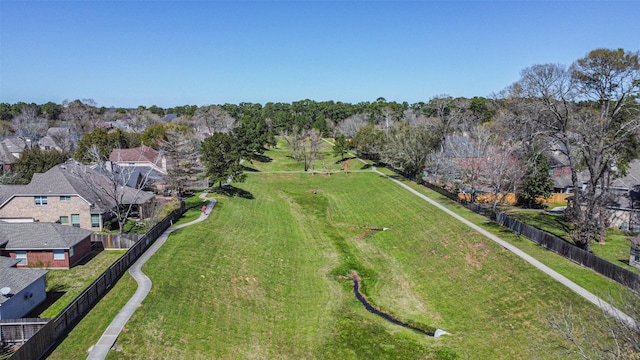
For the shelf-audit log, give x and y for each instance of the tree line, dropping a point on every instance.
(588, 112)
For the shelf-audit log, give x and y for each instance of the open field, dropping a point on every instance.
(280, 159)
(262, 278)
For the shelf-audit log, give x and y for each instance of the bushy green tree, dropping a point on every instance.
(536, 181)
(341, 147)
(221, 159)
(36, 161)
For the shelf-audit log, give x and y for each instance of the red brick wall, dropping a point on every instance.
(81, 250)
(43, 259)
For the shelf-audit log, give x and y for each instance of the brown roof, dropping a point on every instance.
(142, 153)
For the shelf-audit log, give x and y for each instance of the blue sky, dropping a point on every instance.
(169, 53)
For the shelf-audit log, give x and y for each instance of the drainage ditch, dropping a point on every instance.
(356, 289)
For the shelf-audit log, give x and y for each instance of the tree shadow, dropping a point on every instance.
(344, 160)
(232, 191)
(249, 169)
(261, 158)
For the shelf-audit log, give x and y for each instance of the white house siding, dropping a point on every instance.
(20, 305)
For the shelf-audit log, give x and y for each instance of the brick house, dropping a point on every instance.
(70, 194)
(22, 290)
(44, 245)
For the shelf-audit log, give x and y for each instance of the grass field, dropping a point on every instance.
(265, 277)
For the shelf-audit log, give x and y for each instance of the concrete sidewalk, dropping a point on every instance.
(108, 338)
(605, 306)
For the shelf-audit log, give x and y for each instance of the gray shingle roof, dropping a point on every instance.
(6, 156)
(73, 178)
(18, 279)
(40, 236)
(7, 262)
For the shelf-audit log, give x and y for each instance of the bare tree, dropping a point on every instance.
(502, 170)
(350, 126)
(82, 114)
(600, 337)
(315, 139)
(464, 159)
(182, 149)
(595, 133)
(214, 119)
(109, 183)
(295, 139)
(29, 125)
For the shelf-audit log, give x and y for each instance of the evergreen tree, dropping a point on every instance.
(536, 182)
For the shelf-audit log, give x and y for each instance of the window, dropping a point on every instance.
(58, 255)
(71, 252)
(95, 220)
(64, 220)
(65, 198)
(40, 200)
(22, 256)
(75, 220)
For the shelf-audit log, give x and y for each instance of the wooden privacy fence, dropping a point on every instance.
(44, 340)
(18, 331)
(572, 252)
(114, 241)
(511, 198)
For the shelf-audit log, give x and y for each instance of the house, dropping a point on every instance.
(60, 139)
(15, 145)
(44, 245)
(143, 156)
(21, 290)
(7, 159)
(147, 167)
(70, 194)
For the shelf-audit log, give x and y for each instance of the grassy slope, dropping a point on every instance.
(407, 270)
(260, 279)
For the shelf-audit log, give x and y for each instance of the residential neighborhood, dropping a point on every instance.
(342, 180)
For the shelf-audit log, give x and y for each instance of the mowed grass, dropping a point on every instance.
(280, 158)
(265, 278)
(89, 330)
(69, 283)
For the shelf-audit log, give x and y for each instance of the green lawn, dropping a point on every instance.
(90, 329)
(264, 278)
(616, 248)
(595, 283)
(68, 284)
(280, 158)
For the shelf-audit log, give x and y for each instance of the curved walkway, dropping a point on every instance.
(108, 338)
(605, 306)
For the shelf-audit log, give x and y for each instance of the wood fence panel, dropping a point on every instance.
(610, 270)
